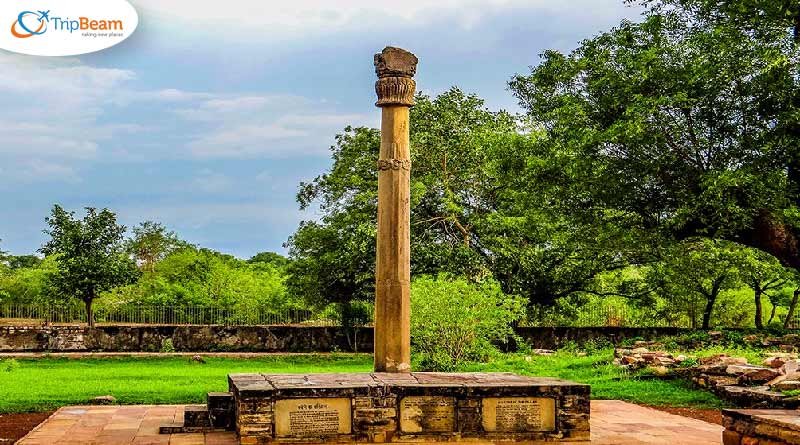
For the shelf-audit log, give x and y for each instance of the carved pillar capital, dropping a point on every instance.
(395, 68)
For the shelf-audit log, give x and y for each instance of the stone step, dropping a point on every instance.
(196, 416)
(171, 428)
(221, 410)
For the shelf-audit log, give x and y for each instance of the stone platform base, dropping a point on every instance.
(760, 426)
(409, 408)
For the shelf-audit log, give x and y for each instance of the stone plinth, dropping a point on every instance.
(760, 426)
(410, 407)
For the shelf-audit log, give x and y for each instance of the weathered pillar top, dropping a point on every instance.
(395, 68)
(395, 62)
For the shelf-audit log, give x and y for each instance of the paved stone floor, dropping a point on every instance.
(613, 423)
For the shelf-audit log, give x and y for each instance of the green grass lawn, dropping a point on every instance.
(47, 383)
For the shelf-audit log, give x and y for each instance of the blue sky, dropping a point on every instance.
(211, 114)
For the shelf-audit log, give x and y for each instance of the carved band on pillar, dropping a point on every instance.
(395, 91)
(394, 164)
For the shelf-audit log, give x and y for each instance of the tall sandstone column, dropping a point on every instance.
(395, 87)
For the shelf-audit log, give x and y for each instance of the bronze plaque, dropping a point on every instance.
(312, 417)
(519, 414)
(427, 414)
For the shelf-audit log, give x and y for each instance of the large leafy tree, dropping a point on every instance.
(152, 242)
(693, 274)
(764, 275)
(680, 126)
(91, 255)
(468, 215)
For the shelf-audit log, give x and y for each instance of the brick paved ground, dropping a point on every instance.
(613, 423)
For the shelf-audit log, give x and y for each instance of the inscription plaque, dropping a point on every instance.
(312, 417)
(427, 414)
(519, 414)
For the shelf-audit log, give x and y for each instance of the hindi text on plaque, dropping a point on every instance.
(312, 417)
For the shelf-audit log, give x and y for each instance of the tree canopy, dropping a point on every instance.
(91, 255)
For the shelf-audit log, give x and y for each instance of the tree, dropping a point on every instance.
(30, 284)
(22, 261)
(470, 212)
(91, 254)
(697, 271)
(762, 273)
(151, 242)
(792, 307)
(681, 126)
(273, 258)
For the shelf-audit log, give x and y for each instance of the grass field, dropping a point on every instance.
(47, 383)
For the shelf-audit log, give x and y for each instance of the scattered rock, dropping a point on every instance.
(786, 385)
(722, 359)
(751, 339)
(660, 371)
(543, 352)
(103, 400)
(758, 376)
(198, 359)
(731, 378)
(774, 362)
(791, 367)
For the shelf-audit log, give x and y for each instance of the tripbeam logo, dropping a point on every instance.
(20, 29)
(76, 27)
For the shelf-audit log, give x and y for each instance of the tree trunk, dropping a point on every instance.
(711, 299)
(759, 311)
(707, 312)
(792, 306)
(770, 235)
(772, 314)
(89, 312)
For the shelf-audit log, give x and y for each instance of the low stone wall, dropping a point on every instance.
(183, 338)
(557, 337)
(264, 338)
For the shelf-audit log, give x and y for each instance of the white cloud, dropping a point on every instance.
(301, 17)
(56, 109)
(204, 214)
(38, 170)
(51, 107)
(255, 136)
(211, 182)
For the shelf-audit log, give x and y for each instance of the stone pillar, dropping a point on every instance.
(395, 68)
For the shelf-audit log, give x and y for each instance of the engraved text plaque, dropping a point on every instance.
(312, 417)
(519, 414)
(427, 414)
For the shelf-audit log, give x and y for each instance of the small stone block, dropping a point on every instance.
(171, 428)
(731, 438)
(196, 416)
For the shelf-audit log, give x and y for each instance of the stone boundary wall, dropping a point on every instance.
(184, 338)
(557, 337)
(262, 338)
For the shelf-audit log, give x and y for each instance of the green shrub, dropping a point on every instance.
(454, 321)
(167, 346)
(10, 365)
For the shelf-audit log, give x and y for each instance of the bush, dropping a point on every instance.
(167, 346)
(454, 321)
(10, 365)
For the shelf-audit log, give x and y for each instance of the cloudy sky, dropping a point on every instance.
(210, 115)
